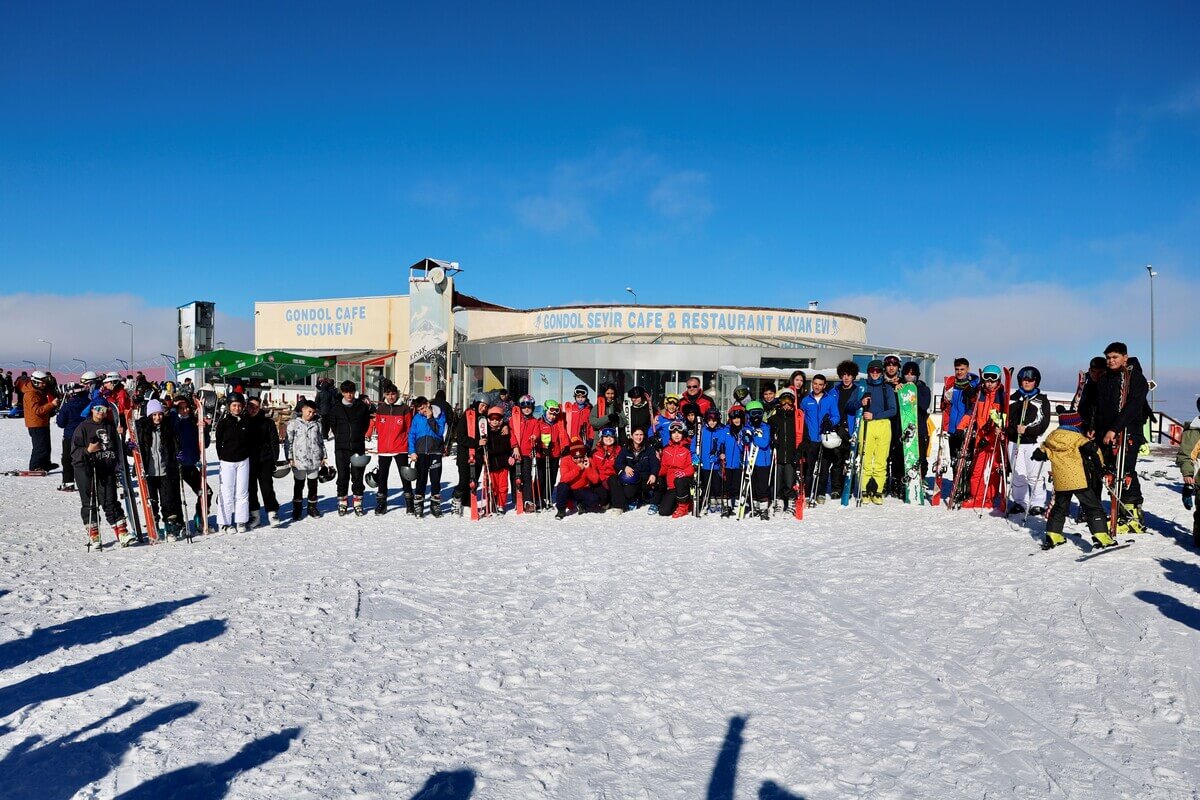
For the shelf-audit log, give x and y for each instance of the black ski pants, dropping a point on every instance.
(68, 468)
(1089, 504)
(837, 466)
(429, 473)
(1131, 494)
(39, 455)
(100, 483)
(346, 473)
(817, 468)
(785, 480)
(623, 495)
(163, 492)
(298, 485)
(384, 471)
(712, 485)
(191, 476)
(262, 479)
(672, 497)
(586, 499)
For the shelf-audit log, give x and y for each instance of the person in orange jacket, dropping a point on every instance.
(987, 469)
(675, 466)
(40, 404)
(577, 481)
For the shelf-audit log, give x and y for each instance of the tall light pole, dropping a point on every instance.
(173, 362)
(81, 361)
(1153, 275)
(632, 292)
(130, 324)
(50, 356)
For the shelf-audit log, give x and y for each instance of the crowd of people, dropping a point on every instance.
(810, 441)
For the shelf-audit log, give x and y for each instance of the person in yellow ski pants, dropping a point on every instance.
(879, 406)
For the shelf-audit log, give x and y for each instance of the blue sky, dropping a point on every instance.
(881, 160)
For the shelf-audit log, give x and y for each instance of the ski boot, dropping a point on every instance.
(876, 498)
(820, 499)
(297, 510)
(409, 503)
(456, 506)
(244, 527)
(1052, 540)
(359, 511)
(1131, 520)
(174, 529)
(1102, 539)
(313, 511)
(729, 510)
(652, 510)
(562, 513)
(1037, 511)
(682, 509)
(531, 507)
(435, 507)
(124, 537)
(1016, 508)
(380, 504)
(67, 487)
(93, 536)
(343, 507)
(419, 508)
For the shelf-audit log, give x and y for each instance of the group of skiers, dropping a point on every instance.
(807, 442)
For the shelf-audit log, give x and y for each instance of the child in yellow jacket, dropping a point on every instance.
(1075, 459)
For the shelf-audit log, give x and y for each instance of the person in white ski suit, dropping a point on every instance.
(1028, 420)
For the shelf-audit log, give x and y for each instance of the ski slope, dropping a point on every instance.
(892, 652)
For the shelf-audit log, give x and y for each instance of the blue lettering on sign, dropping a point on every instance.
(325, 322)
(636, 319)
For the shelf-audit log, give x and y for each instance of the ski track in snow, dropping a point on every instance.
(877, 653)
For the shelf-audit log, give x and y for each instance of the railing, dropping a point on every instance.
(1164, 426)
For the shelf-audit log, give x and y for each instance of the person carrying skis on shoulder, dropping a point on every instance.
(879, 407)
(676, 473)
(70, 414)
(821, 417)
(426, 444)
(911, 372)
(987, 465)
(1086, 406)
(1188, 461)
(160, 465)
(848, 396)
(578, 480)
(1028, 419)
(232, 436)
(390, 427)
(501, 453)
(94, 455)
(306, 457)
(961, 399)
(785, 441)
(264, 453)
(635, 473)
(604, 459)
(662, 423)
(694, 393)
(187, 433)
(348, 421)
(576, 415)
(466, 440)
(1072, 457)
(758, 434)
(1121, 410)
(526, 443)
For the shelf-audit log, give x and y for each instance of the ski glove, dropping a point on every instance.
(1189, 492)
(747, 437)
(1039, 455)
(997, 418)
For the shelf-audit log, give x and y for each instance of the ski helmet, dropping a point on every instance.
(741, 392)
(671, 398)
(37, 375)
(112, 377)
(737, 412)
(991, 371)
(87, 377)
(712, 413)
(754, 411)
(551, 405)
(496, 412)
(581, 389)
(408, 473)
(830, 440)
(282, 469)
(608, 432)
(891, 360)
(1030, 374)
(526, 401)
(372, 478)
(326, 473)
(360, 460)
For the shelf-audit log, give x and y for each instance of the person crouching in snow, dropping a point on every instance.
(577, 480)
(677, 471)
(94, 455)
(1075, 461)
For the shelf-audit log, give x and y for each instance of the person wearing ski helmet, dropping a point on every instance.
(426, 444)
(232, 437)
(604, 459)
(525, 432)
(1122, 408)
(499, 451)
(676, 473)
(786, 442)
(1028, 419)
(607, 411)
(741, 394)
(911, 373)
(1188, 461)
(821, 416)
(879, 407)
(848, 395)
(730, 454)
(466, 439)
(550, 443)
(94, 452)
(349, 421)
(758, 436)
(40, 405)
(987, 460)
(662, 423)
(70, 415)
(576, 415)
(306, 456)
(635, 473)
(389, 428)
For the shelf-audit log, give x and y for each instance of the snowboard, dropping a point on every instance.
(910, 443)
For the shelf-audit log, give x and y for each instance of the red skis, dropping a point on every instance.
(143, 495)
(472, 432)
(801, 494)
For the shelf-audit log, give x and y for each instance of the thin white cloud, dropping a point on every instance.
(548, 214)
(682, 196)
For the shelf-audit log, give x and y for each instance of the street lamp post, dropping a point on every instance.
(50, 356)
(173, 362)
(632, 292)
(1153, 275)
(81, 361)
(130, 324)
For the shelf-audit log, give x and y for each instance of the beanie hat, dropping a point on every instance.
(577, 446)
(154, 407)
(1070, 419)
(875, 364)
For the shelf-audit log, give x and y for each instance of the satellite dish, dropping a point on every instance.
(437, 275)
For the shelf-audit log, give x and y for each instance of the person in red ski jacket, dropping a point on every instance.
(577, 481)
(549, 443)
(500, 454)
(694, 393)
(987, 469)
(577, 414)
(604, 459)
(675, 466)
(390, 427)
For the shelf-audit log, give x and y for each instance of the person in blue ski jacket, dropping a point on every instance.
(821, 415)
(426, 443)
(70, 414)
(662, 422)
(712, 437)
(961, 398)
(758, 434)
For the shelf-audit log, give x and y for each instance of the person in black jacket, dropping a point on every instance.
(349, 421)
(1028, 419)
(326, 398)
(159, 448)
(635, 473)
(233, 450)
(784, 443)
(264, 453)
(1121, 410)
(1087, 395)
(466, 440)
(94, 454)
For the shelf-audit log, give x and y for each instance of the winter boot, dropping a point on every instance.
(764, 509)
(174, 528)
(358, 506)
(313, 511)
(380, 504)
(409, 503)
(1037, 511)
(124, 537)
(1133, 521)
(297, 510)
(343, 507)
(435, 506)
(1015, 508)
(682, 509)
(1052, 540)
(67, 487)
(562, 513)
(876, 498)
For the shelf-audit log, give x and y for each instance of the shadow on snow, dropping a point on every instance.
(456, 785)
(723, 780)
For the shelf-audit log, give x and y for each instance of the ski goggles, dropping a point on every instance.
(891, 361)
(527, 404)
(495, 416)
(677, 427)
(1026, 375)
(608, 432)
(991, 377)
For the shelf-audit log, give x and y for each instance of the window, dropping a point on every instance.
(517, 381)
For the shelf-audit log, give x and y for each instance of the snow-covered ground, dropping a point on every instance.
(890, 652)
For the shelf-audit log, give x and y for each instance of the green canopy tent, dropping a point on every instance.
(278, 366)
(217, 360)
